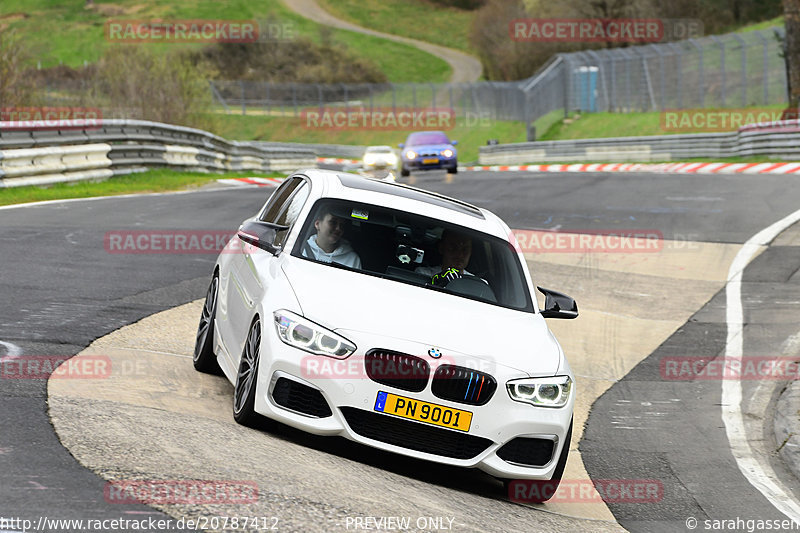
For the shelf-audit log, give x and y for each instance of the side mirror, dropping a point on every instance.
(558, 305)
(454, 143)
(401, 145)
(261, 234)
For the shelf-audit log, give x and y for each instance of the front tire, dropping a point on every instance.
(453, 169)
(204, 358)
(404, 171)
(244, 391)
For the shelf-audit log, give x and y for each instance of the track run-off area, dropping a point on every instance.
(722, 281)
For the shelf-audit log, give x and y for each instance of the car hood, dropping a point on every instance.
(344, 300)
(437, 147)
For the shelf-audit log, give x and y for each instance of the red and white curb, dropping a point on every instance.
(680, 168)
(676, 168)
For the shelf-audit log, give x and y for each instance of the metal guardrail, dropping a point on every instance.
(41, 153)
(777, 140)
(345, 151)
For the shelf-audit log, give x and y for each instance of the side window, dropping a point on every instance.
(289, 215)
(278, 200)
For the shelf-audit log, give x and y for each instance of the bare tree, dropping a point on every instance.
(791, 16)
(16, 89)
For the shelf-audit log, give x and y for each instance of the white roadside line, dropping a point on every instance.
(132, 195)
(12, 351)
(762, 477)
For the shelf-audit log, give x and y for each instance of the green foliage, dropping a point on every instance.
(460, 4)
(506, 59)
(160, 87)
(157, 180)
(16, 89)
(300, 60)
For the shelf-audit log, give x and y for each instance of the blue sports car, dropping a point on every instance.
(425, 150)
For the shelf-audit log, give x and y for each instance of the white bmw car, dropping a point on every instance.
(378, 157)
(395, 317)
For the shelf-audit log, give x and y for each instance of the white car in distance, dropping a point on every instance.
(324, 314)
(379, 157)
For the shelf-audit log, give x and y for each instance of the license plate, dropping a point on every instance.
(430, 161)
(420, 411)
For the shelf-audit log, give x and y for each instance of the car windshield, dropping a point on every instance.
(379, 150)
(427, 137)
(413, 249)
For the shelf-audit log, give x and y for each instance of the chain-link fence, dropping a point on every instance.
(737, 69)
(733, 70)
(493, 100)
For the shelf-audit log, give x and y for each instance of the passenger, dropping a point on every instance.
(328, 245)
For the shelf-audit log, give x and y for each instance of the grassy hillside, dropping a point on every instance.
(417, 19)
(598, 125)
(70, 33)
(765, 25)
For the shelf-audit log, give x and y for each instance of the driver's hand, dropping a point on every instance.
(445, 276)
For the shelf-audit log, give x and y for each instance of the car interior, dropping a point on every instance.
(393, 244)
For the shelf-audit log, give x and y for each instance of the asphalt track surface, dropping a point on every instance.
(61, 289)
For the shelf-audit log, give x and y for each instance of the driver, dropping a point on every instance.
(328, 245)
(456, 250)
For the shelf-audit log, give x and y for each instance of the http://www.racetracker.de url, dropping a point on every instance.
(144, 525)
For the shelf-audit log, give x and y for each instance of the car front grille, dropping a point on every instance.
(300, 398)
(527, 451)
(399, 370)
(463, 385)
(414, 435)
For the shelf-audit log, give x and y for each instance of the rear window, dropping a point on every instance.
(427, 137)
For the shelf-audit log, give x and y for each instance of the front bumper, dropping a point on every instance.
(379, 164)
(351, 395)
(427, 163)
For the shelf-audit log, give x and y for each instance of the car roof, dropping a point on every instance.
(379, 147)
(399, 196)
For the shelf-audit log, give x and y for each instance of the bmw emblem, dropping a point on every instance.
(435, 353)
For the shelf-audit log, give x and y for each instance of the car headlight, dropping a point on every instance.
(542, 392)
(301, 333)
(369, 159)
(391, 159)
(411, 154)
(447, 152)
